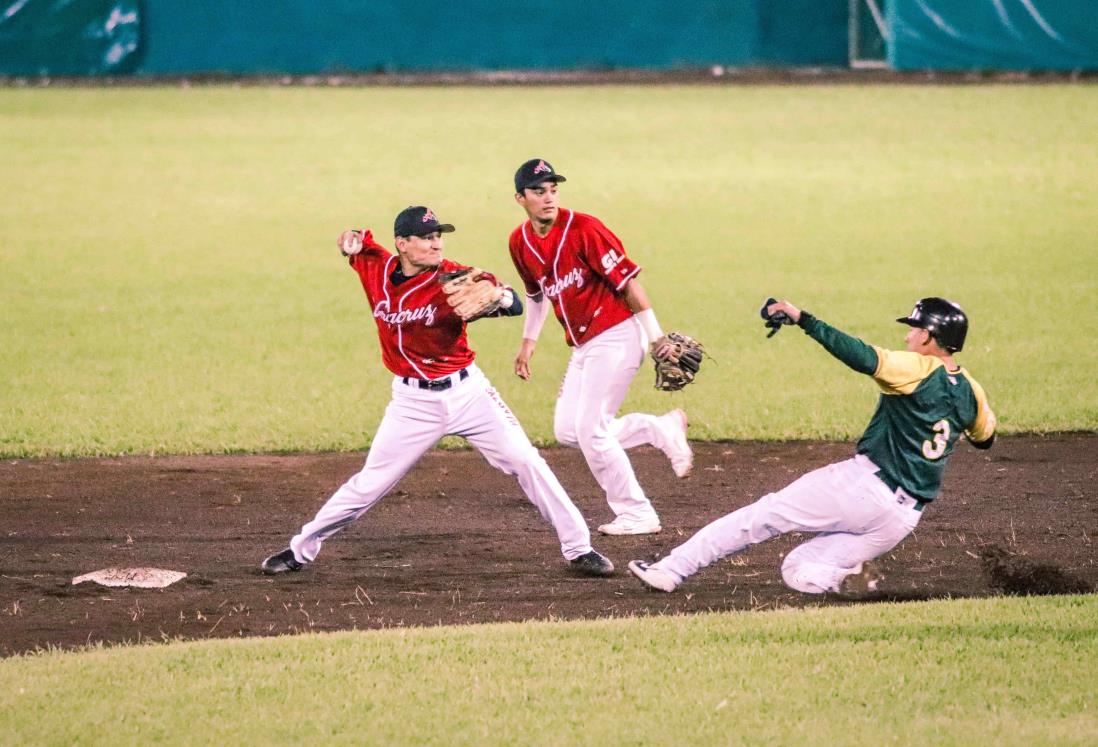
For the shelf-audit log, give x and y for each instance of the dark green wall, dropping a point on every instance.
(182, 37)
(248, 36)
(242, 37)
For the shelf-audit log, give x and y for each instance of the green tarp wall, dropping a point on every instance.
(242, 37)
(245, 36)
(993, 34)
(184, 37)
(69, 37)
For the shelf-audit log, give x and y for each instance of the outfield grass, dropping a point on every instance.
(170, 282)
(998, 671)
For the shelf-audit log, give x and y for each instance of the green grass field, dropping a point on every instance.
(170, 282)
(170, 285)
(999, 671)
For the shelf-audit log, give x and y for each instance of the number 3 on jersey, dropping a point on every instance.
(935, 448)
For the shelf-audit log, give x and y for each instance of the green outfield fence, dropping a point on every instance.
(300, 37)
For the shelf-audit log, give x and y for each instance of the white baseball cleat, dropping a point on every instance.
(678, 449)
(624, 525)
(653, 577)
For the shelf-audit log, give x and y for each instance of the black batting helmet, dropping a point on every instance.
(944, 320)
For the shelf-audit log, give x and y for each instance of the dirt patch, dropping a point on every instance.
(1020, 576)
(457, 543)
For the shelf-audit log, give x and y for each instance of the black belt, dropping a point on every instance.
(437, 385)
(900, 493)
(897, 489)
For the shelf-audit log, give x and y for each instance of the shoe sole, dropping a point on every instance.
(278, 571)
(615, 533)
(637, 573)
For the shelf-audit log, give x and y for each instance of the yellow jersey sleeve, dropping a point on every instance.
(901, 371)
(983, 427)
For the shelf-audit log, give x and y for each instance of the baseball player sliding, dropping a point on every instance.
(576, 265)
(437, 388)
(863, 507)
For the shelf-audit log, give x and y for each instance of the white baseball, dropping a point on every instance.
(350, 242)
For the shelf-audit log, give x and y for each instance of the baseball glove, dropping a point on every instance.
(469, 293)
(678, 359)
(775, 321)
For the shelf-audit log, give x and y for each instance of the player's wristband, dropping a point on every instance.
(985, 444)
(806, 320)
(651, 327)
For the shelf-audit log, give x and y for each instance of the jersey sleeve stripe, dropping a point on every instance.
(385, 281)
(627, 278)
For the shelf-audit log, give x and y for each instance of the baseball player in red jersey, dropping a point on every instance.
(575, 264)
(437, 390)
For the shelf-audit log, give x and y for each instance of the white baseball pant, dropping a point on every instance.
(595, 384)
(414, 421)
(855, 515)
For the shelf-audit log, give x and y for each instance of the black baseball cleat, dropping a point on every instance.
(282, 562)
(592, 564)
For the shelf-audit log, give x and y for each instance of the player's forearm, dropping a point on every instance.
(535, 316)
(850, 350)
(638, 303)
(635, 297)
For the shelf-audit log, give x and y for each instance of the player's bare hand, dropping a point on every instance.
(350, 242)
(787, 308)
(522, 360)
(662, 349)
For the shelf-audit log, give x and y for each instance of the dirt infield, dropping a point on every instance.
(457, 543)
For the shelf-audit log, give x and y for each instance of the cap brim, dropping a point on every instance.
(440, 228)
(908, 321)
(535, 182)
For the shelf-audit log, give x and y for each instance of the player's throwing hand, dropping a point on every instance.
(350, 242)
(786, 308)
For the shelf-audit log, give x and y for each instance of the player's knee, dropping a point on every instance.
(565, 433)
(798, 575)
(592, 435)
(518, 457)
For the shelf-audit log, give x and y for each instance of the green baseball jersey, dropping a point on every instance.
(923, 409)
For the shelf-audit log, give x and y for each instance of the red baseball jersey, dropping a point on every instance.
(581, 267)
(420, 334)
